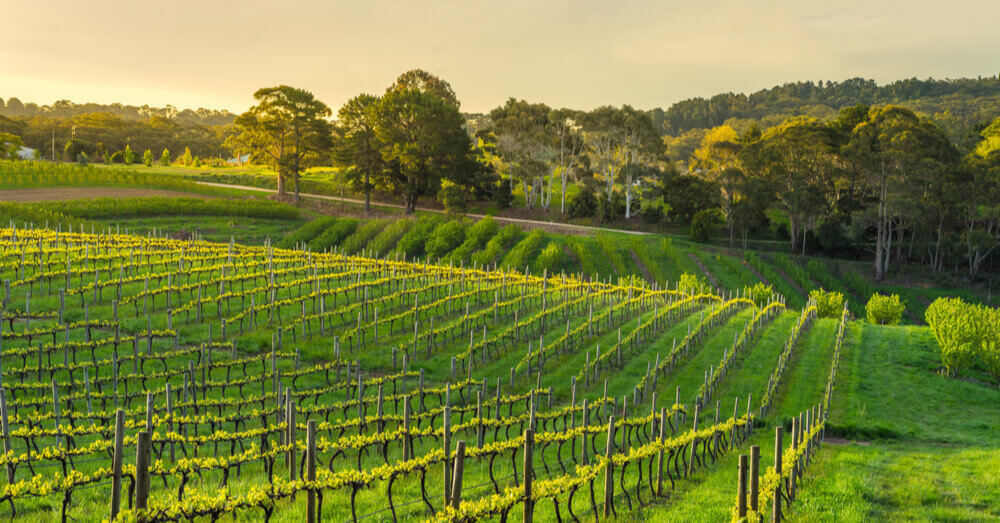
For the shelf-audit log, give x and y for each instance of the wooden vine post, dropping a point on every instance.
(529, 449)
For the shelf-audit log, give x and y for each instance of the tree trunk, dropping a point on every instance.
(281, 183)
(368, 195)
(562, 205)
(295, 178)
(793, 233)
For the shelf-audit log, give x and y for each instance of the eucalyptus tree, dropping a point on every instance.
(287, 129)
(889, 150)
(356, 147)
(717, 160)
(617, 138)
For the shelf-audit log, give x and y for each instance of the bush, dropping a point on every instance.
(82, 159)
(956, 327)
(147, 158)
(387, 239)
(453, 197)
(129, 156)
(760, 294)
(412, 243)
(692, 284)
(334, 234)
(503, 195)
(356, 242)
(884, 310)
(118, 157)
(550, 259)
(307, 232)
(520, 256)
(502, 240)
(445, 238)
(611, 209)
(652, 213)
(165, 157)
(705, 224)
(583, 204)
(829, 304)
(476, 237)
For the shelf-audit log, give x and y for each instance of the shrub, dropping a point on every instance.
(147, 158)
(81, 159)
(503, 195)
(453, 197)
(705, 224)
(445, 238)
(760, 294)
(583, 204)
(956, 327)
(613, 208)
(412, 243)
(652, 213)
(128, 155)
(334, 234)
(691, 284)
(884, 310)
(118, 157)
(476, 237)
(357, 241)
(551, 258)
(829, 304)
(165, 157)
(519, 257)
(390, 235)
(502, 240)
(307, 232)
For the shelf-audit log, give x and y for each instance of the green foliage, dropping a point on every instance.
(705, 224)
(551, 258)
(507, 237)
(165, 158)
(860, 284)
(520, 256)
(692, 284)
(95, 208)
(128, 155)
(476, 236)
(583, 204)
(359, 239)
(390, 235)
(446, 238)
(147, 158)
(760, 294)
(47, 174)
(958, 328)
(82, 159)
(307, 232)
(829, 304)
(23, 214)
(118, 157)
(334, 234)
(884, 310)
(10, 144)
(454, 197)
(412, 243)
(652, 213)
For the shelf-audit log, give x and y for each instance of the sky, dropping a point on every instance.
(579, 54)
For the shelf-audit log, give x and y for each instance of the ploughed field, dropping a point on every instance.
(161, 379)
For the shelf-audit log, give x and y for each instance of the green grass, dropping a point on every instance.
(253, 231)
(901, 482)
(890, 387)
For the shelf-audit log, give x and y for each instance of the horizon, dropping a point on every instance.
(564, 55)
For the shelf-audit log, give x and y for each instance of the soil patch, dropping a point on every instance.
(48, 194)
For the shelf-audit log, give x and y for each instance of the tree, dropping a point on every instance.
(420, 80)
(10, 145)
(165, 157)
(356, 146)
(888, 149)
(717, 159)
(287, 130)
(617, 138)
(794, 164)
(565, 129)
(422, 142)
(147, 158)
(129, 156)
(524, 147)
(186, 159)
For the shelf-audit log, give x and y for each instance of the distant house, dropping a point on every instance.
(239, 161)
(26, 153)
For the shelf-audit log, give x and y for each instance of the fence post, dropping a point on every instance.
(776, 506)
(311, 470)
(661, 457)
(447, 453)
(406, 429)
(529, 449)
(694, 440)
(456, 485)
(754, 477)
(741, 499)
(290, 440)
(116, 462)
(609, 471)
(142, 470)
(586, 421)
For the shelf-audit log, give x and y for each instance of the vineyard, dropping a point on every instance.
(161, 380)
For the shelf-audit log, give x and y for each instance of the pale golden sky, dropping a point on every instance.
(581, 54)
